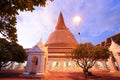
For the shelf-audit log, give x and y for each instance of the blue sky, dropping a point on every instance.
(100, 19)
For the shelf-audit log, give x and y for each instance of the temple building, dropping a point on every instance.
(37, 60)
(114, 59)
(60, 42)
(52, 56)
(112, 43)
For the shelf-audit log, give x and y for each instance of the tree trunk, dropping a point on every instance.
(0, 68)
(87, 73)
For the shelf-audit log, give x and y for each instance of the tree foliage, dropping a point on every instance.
(18, 53)
(8, 11)
(9, 52)
(5, 55)
(87, 54)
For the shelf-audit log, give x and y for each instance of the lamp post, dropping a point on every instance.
(77, 20)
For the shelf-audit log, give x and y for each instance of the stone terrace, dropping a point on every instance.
(17, 75)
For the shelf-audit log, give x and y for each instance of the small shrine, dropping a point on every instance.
(37, 60)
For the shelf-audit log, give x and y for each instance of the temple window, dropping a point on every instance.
(56, 64)
(67, 64)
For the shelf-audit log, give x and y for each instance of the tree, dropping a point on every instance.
(8, 11)
(87, 54)
(5, 55)
(9, 52)
(18, 53)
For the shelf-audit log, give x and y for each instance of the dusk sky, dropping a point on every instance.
(100, 19)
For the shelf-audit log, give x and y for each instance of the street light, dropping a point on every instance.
(77, 20)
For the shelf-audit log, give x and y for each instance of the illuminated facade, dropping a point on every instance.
(37, 60)
(60, 42)
(112, 43)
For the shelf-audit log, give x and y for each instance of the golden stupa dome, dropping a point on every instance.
(61, 36)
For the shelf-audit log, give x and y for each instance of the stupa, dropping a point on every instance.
(61, 36)
(60, 42)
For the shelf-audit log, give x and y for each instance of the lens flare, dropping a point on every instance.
(77, 19)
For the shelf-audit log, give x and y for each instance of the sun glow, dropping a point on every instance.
(77, 19)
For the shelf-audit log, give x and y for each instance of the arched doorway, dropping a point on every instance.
(34, 64)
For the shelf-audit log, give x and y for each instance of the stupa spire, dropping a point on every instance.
(60, 23)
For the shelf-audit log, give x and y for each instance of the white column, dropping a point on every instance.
(28, 65)
(112, 66)
(50, 65)
(12, 65)
(95, 67)
(73, 68)
(104, 65)
(40, 66)
(76, 67)
(45, 65)
(117, 57)
(61, 65)
(20, 66)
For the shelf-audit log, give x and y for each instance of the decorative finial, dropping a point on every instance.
(60, 23)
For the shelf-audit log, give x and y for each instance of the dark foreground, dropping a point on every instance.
(17, 75)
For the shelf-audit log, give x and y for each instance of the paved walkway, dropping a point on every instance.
(17, 75)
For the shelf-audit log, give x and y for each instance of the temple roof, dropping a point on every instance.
(114, 47)
(39, 47)
(61, 36)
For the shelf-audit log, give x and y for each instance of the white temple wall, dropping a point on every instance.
(117, 57)
(62, 66)
(112, 66)
(72, 65)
